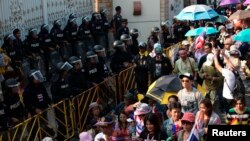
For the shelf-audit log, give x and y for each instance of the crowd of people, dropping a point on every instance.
(75, 58)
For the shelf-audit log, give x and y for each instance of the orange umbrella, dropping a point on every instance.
(240, 15)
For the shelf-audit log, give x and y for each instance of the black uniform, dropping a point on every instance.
(60, 89)
(56, 35)
(85, 34)
(3, 117)
(122, 30)
(142, 70)
(117, 60)
(36, 97)
(78, 81)
(116, 21)
(94, 73)
(15, 107)
(161, 66)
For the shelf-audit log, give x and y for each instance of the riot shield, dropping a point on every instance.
(65, 51)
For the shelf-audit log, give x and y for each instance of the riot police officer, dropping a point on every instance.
(35, 96)
(94, 73)
(106, 27)
(70, 31)
(98, 29)
(15, 107)
(48, 47)
(165, 37)
(153, 38)
(57, 33)
(101, 53)
(60, 88)
(134, 33)
(33, 48)
(142, 70)
(120, 59)
(126, 39)
(77, 77)
(18, 44)
(10, 49)
(85, 33)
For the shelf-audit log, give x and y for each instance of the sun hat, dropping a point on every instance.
(105, 121)
(234, 50)
(85, 136)
(188, 75)
(185, 42)
(221, 27)
(92, 105)
(188, 116)
(210, 59)
(47, 139)
(142, 109)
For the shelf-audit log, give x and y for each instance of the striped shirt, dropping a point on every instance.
(234, 118)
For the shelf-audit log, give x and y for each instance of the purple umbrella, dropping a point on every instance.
(228, 2)
(247, 2)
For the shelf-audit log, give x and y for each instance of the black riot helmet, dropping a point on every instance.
(8, 39)
(92, 57)
(100, 50)
(72, 21)
(11, 83)
(134, 33)
(155, 30)
(37, 75)
(85, 19)
(57, 24)
(125, 37)
(45, 28)
(64, 66)
(74, 59)
(118, 44)
(142, 45)
(72, 16)
(96, 16)
(33, 32)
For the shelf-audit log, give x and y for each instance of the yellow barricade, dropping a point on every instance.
(126, 80)
(69, 117)
(104, 93)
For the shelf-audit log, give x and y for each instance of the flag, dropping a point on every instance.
(194, 135)
(199, 41)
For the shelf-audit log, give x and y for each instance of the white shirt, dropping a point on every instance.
(100, 136)
(229, 83)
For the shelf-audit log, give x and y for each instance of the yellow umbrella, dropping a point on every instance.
(166, 96)
(201, 89)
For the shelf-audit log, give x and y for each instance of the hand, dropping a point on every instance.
(15, 120)
(215, 52)
(125, 64)
(136, 104)
(38, 111)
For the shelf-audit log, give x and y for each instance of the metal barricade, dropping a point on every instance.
(105, 93)
(126, 80)
(69, 117)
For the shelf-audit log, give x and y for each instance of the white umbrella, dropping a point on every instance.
(197, 12)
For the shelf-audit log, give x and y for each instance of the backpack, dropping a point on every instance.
(239, 88)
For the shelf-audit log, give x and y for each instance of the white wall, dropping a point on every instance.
(26, 14)
(149, 18)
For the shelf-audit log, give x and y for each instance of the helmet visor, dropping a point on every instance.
(37, 75)
(93, 58)
(66, 66)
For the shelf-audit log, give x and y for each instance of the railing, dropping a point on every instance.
(69, 117)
